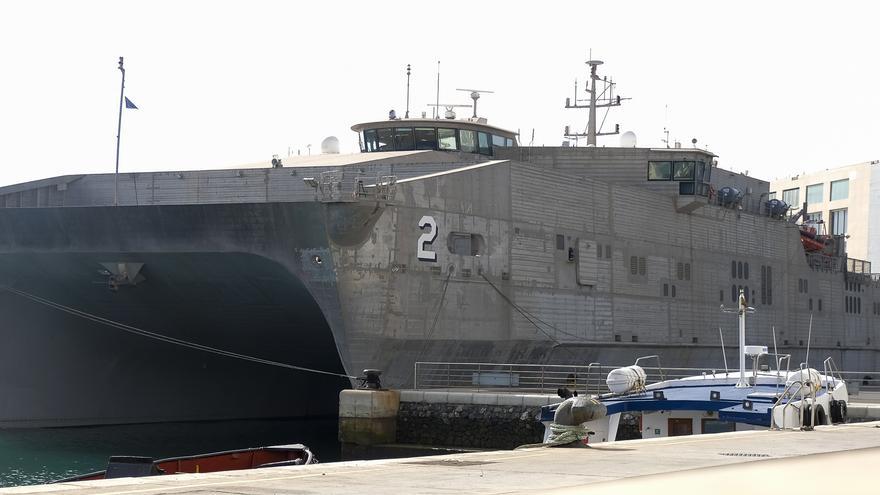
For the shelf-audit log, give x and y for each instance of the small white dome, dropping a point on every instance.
(330, 145)
(628, 139)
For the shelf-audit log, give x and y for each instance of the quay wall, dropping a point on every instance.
(446, 419)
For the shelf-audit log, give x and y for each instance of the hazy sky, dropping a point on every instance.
(774, 88)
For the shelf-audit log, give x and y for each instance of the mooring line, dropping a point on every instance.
(164, 338)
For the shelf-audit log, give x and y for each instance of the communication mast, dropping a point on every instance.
(603, 98)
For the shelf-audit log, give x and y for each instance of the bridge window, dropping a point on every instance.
(485, 147)
(683, 170)
(403, 138)
(426, 138)
(468, 141)
(386, 139)
(371, 143)
(659, 170)
(498, 141)
(447, 139)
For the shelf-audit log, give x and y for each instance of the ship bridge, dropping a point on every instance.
(468, 136)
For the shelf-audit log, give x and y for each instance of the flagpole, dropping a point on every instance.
(118, 134)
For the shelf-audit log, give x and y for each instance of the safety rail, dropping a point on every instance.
(333, 186)
(531, 378)
(788, 396)
(590, 378)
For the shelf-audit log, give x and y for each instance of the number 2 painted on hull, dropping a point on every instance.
(427, 238)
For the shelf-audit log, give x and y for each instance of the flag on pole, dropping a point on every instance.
(129, 104)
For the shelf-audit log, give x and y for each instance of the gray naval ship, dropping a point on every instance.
(169, 295)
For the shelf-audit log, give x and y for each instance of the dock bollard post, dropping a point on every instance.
(368, 415)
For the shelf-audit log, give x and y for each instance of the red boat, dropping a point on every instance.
(230, 460)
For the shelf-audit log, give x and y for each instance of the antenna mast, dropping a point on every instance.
(406, 115)
(605, 98)
(437, 102)
(475, 95)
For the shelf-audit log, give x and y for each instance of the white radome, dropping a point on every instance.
(628, 139)
(330, 145)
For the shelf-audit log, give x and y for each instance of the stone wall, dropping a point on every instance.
(468, 425)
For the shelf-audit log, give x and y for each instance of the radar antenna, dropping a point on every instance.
(475, 95)
(450, 113)
(598, 99)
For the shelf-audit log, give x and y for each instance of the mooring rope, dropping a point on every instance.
(164, 338)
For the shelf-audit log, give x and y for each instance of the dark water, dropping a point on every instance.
(40, 455)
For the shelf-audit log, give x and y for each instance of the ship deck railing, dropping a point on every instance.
(584, 378)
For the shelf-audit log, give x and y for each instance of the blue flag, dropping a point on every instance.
(129, 104)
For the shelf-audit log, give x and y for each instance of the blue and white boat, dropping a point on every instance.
(760, 398)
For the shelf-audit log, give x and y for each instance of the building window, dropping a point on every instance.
(739, 270)
(791, 196)
(820, 304)
(839, 189)
(838, 222)
(733, 293)
(811, 304)
(665, 290)
(763, 284)
(637, 265)
(687, 271)
(659, 170)
(813, 219)
(721, 295)
(560, 241)
(673, 291)
(814, 194)
(769, 285)
(608, 251)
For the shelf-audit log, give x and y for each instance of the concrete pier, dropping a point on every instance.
(840, 458)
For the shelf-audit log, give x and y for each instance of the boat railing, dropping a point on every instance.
(533, 378)
(787, 395)
(831, 374)
(587, 378)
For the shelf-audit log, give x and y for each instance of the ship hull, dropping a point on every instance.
(79, 350)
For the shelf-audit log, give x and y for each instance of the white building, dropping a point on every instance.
(840, 201)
